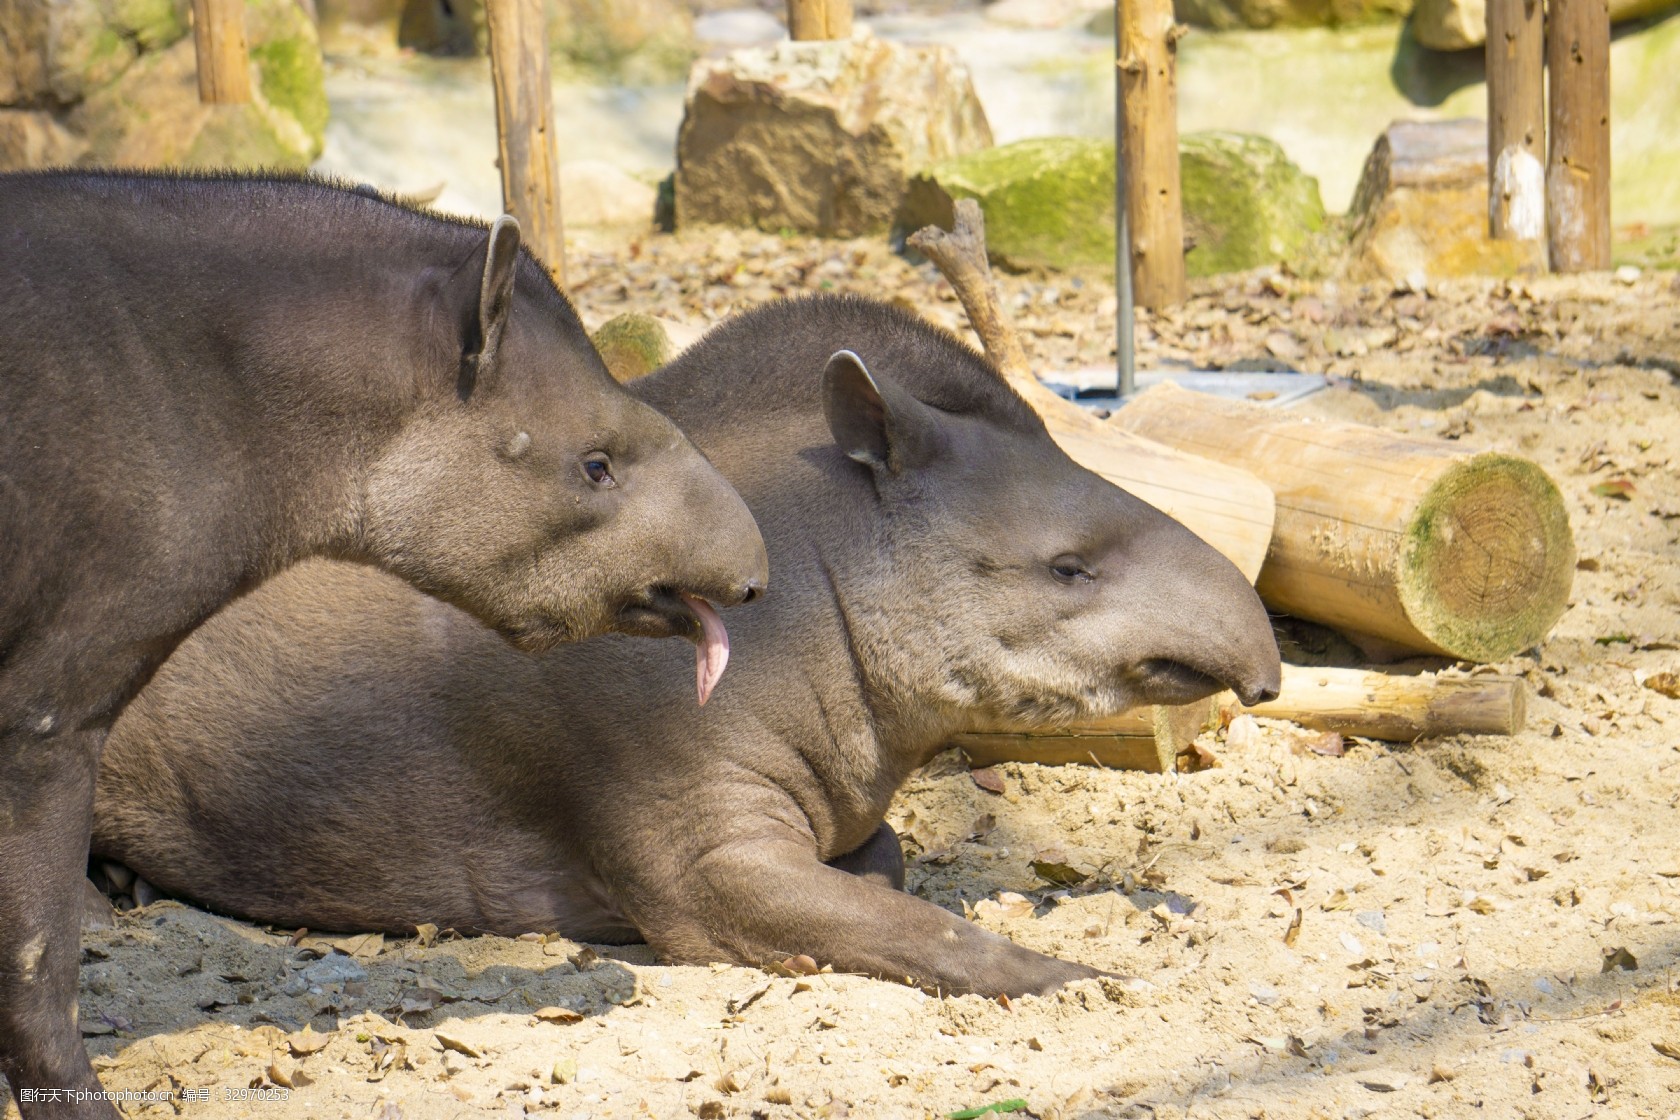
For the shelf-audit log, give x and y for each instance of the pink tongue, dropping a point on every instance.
(711, 652)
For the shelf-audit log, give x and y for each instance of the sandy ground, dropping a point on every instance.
(1488, 924)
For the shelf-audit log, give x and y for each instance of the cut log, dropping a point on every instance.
(1369, 705)
(1384, 536)
(519, 74)
(1227, 507)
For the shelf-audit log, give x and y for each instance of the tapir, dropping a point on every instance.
(339, 752)
(203, 380)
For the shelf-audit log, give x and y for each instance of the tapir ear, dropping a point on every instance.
(875, 420)
(495, 300)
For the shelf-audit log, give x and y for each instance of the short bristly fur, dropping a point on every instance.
(940, 564)
(203, 380)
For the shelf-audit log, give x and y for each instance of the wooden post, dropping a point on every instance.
(1146, 59)
(1578, 163)
(224, 63)
(525, 126)
(819, 19)
(1516, 56)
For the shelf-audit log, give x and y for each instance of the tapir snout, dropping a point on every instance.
(1204, 627)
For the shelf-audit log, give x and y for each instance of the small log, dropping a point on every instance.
(1578, 164)
(1516, 56)
(1146, 53)
(819, 19)
(525, 126)
(224, 60)
(1228, 508)
(1369, 705)
(1384, 536)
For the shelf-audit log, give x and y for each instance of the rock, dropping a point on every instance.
(152, 115)
(1455, 25)
(1421, 210)
(35, 139)
(1049, 202)
(1229, 15)
(633, 40)
(334, 968)
(632, 344)
(593, 193)
(820, 137)
(58, 51)
(1245, 204)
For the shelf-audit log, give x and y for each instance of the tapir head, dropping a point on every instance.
(1033, 591)
(534, 492)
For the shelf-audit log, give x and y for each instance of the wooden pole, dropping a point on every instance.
(525, 126)
(1516, 57)
(1387, 536)
(1349, 701)
(819, 19)
(1228, 508)
(1147, 68)
(1578, 163)
(224, 62)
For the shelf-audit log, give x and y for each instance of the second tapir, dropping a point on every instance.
(941, 565)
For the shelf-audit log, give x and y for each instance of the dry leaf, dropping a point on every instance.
(1052, 866)
(425, 933)
(1667, 1049)
(1619, 958)
(1294, 930)
(458, 1044)
(743, 1000)
(307, 1041)
(558, 1015)
(1007, 905)
(987, 779)
(1668, 684)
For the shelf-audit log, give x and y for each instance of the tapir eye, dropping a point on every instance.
(598, 470)
(1071, 569)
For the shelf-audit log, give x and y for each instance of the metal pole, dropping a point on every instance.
(1124, 325)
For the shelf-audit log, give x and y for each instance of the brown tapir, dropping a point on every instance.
(940, 564)
(204, 380)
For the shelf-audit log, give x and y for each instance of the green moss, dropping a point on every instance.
(154, 24)
(1245, 204)
(294, 83)
(1048, 202)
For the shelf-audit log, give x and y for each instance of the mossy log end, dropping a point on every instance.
(1386, 536)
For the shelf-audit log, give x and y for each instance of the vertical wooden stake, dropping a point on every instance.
(1578, 163)
(819, 19)
(1516, 56)
(1147, 65)
(525, 126)
(224, 63)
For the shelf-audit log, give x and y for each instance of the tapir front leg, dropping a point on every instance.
(757, 899)
(46, 814)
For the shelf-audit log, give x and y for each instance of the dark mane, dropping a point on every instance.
(794, 340)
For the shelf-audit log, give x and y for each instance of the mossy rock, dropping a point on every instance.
(1049, 203)
(287, 53)
(1245, 204)
(632, 344)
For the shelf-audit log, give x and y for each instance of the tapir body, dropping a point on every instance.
(338, 752)
(205, 380)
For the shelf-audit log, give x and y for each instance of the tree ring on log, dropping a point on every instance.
(1488, 559)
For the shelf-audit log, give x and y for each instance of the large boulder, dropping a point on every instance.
(626, 40)
(1049, 202)
(1421, 211)
(1245, 204)
(596, 193)
(115, 82)
(820, 137)
(1230, 15)
(1455, 25)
